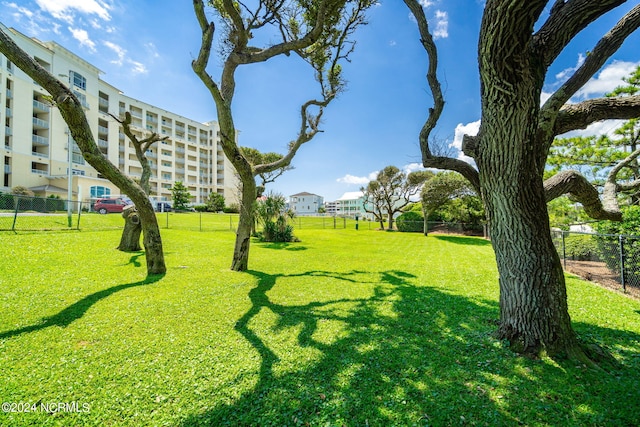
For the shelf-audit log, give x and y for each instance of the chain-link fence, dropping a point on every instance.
(38, 213)
(611, 258)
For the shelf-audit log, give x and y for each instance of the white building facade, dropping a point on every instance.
(35, 153)
(305, 203)
(351, 204)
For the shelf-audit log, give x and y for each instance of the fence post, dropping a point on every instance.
(334, 222)
(79, 214)
(622, 275)
(200, 221)
(167, 219)
(564, 251)
(15, 214)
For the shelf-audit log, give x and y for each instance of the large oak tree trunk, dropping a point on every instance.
(243, 233)
(533, 301)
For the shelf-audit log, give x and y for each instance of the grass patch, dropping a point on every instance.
(344, 328)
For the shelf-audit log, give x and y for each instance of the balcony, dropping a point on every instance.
(39, 154)
(136, 113)
(151, 119)
(8, 113)
(7, 168)
(7, 131)
(40, 107)
(103, 143)
(9, 94)
(40, 124)
(39, 140)
(103, 130)
(103, 102)
(40, 171)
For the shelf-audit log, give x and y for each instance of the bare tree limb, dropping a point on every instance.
(580, 189)
(579, 116)
(606, 46)
(566, 20)
(428, 159)
(141, 148)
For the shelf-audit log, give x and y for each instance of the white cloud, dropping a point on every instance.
(392, 43)
(460, 131)
(83, 37)
(153, 51)
(606, 127)
(120, 52)
(608, 79)
(357, 180)
(20, 11)
(66, 9)
(563, 75)
(442, 25)
(413, 167)
(138, 67)
(426, 3)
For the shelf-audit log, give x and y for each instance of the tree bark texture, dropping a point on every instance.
(130, 240)
(245, 223)
(533, 301)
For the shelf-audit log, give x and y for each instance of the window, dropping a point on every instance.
(98, 191)
(78, 80)
(82, 98)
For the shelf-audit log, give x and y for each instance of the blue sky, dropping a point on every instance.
(145, 49)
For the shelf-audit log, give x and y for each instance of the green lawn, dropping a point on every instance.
(354, 328)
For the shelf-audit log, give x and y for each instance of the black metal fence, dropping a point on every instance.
(612, 255)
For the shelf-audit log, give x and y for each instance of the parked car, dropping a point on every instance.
(164, 207)
(105, 206)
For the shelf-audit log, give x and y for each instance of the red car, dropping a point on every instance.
(105, 206)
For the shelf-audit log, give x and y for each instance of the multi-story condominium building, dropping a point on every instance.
(39, 153)
(305, 203)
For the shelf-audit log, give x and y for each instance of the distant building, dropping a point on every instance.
(330, 208)
(38, 150)
(305, 203)
(352, 204)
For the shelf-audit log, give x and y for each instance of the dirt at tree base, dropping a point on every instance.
(597, 272)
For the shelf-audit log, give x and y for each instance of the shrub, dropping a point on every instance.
(410, 221)
(232, 208)
(200, 208)
(581, 247)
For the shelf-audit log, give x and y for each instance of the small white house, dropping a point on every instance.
(305, 203)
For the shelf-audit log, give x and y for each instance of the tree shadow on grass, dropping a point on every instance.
(135, 258)
(283, 246)
(408, 355)
(76, 310)
(469, 241)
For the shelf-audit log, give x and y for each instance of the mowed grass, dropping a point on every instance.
(346, 327)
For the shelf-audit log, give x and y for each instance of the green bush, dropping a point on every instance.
(581, 247)
(609, 243)
(411, 222)
(232, 208)
(200, 208)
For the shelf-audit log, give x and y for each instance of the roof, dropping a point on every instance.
(351, 195)
(49, 188)
(304, 193)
